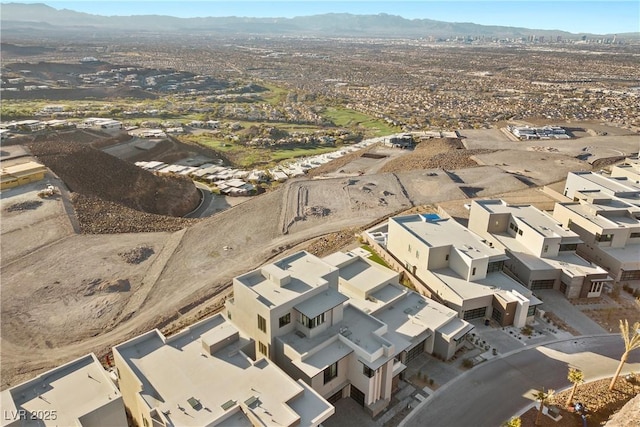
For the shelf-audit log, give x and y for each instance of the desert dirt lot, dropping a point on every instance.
(78, 293)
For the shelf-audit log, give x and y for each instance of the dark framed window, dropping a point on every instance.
(495, 266)
(262, 323)
(542, 284)
(604, 237)
(568, 247)
(285, 320)
(630, 275)
(311, 323)
(532, 310)
(634, 235)
(330, 372)
(262, 348)
(367, 371)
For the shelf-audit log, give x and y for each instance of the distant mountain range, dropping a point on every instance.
(19, 17)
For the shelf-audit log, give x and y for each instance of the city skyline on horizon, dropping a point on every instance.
(594, 17)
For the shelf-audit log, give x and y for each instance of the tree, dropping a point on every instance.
(542, 396)
(631, 338)
(575, 376)
(513, 422)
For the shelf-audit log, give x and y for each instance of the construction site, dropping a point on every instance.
(97, 251)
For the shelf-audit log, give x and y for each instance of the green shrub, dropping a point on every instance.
(467, 363)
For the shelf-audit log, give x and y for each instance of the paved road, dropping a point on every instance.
(494, 391)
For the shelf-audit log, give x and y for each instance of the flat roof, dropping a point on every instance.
(613, 184)
(601, 219)
(361, 274)
(378, 299)
(320, 360)
(300, 273)
(356, 328)
(630, 254)
(321, 303)
(178, 370)
(466, 290)
(414, 314)
(490, 285)
(501, 284)
(455, 329)
(73, 390)
(446, 232)
(536, 219)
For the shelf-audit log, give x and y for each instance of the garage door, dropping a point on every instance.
(415, 352)
(357, 395)
(335, 397)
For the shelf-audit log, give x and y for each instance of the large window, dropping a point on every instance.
(331, 372)
(542, 284)
(568, 247)
(311, 323)
(495, 266)
(285, 320)
(262, 323)
(634, 235)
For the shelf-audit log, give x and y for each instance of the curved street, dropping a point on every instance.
(494, 391)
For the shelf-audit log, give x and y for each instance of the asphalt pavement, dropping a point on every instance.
(493, 391)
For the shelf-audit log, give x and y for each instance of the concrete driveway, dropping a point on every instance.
(560, 306)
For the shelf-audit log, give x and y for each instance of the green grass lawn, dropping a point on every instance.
(249, 157)
(290, 153)
(374, 256)
(275, 95)
(344, 117)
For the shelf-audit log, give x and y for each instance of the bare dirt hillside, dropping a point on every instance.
(448, 153)
(97, 216)
(91, 172)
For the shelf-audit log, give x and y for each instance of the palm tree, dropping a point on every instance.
(631, 338)
(513, 422)
(575, 376)
(542, 396)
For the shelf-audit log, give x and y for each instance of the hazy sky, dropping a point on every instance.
(600, 17)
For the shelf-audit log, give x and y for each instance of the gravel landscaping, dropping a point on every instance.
(601, 404)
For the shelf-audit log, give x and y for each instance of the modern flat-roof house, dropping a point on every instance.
(78, 393)
(630, 169)
(323, 321)
(460, 268)
(610, 231)
(593, 186)
(542, 253)
(206, 376)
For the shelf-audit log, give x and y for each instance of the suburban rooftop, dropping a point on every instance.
(287, 279)
(439, 232)
(539, 221)
(178, 375)
(614, 184)
(73, 390)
